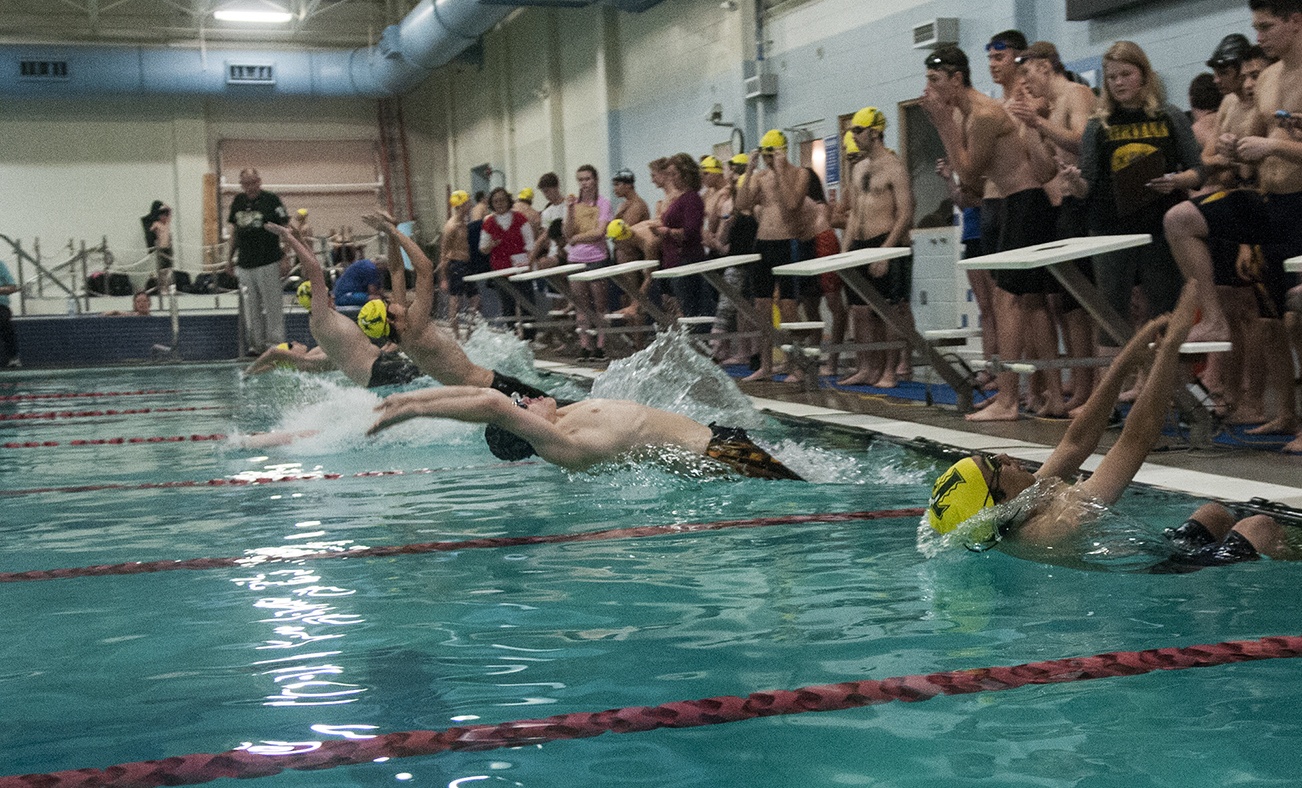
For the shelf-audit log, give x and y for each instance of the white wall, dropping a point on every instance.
(91, 169)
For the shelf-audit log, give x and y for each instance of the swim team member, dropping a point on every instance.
(582, 434)
(1045, 522)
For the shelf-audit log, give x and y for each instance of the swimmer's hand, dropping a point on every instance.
(1227, 146)
(944, 169)
(1137, 350)
(1164, 184)
(379, 220)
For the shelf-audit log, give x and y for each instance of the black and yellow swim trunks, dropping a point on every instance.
(734, 448)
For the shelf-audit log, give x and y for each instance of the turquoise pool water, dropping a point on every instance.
(102, 670)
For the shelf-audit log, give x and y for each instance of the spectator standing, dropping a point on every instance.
(586, 217)
(679, 230)
(256, 251)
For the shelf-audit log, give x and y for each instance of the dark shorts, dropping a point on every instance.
(392, 369)
(894, 286)
(734, 448)
(1195, 548)
(1073, 222)
(773, 254)
(458, 270)
(1028, 219)
(164, 257)
(1270, 221)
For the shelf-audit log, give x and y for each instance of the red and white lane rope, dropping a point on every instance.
(49, 415)
(119, 441)
(634, 532)
(86, 394)
(250, 762)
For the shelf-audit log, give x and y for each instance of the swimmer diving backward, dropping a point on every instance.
(339, 337)
(1045, 527)
(583, 434)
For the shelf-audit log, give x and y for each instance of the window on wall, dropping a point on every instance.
(1080, 10)
(336, 180)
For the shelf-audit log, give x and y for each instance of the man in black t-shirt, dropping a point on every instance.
(253, 257)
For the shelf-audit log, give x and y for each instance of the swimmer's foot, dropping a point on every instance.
(1129, 396)
(733, 361)
(888, 380)
(1280, 425)
(995, 411)
(1294, 446)
(1051, 408)
(864, 377)
(1248, 413)
(759, 374)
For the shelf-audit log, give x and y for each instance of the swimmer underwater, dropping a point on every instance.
(1043, 514)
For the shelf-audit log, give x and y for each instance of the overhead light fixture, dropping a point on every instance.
(258, 12)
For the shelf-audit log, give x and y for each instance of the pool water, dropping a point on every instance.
(102, 670)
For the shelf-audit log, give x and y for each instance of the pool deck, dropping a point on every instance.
(1226, 473)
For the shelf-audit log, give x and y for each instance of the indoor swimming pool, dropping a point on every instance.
(279, 653)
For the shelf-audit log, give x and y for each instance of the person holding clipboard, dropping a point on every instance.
(1138, 159)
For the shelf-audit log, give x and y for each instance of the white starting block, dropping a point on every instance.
(502, 274)
(705, 266)
(614, 270)
(807, 325)
(618, 272)
(699, 320)
(1063, 251)
(547, 273)
(941, 334)
(1293, 265)
(1197, 348)
(849, 265)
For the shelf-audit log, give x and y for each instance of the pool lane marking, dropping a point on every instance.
(83, 414)
(489, 542)
(116, 441)
(75, 394)
(255, 761)
(247, 481)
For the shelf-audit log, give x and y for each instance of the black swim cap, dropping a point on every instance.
(1232, 51)
(507, 446)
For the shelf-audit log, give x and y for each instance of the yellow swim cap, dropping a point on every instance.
(741, 160)
(772, 140)
(458, 198)
(305, 295)
(960, 492)
(283, 346)
(711, 164)
(526, 195)
(850, 145)
(618, 230)
(302, 212)
(374, 319)
(869, 118)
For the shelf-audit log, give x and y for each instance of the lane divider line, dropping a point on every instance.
(82, 414)
(76, 394)
(249, 761)
(633, 532)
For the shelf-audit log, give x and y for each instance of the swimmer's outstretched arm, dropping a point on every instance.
(310, 265)
(1083, 436)
(488, 406)
(418, 314)
(314, 360)
(1144, 424)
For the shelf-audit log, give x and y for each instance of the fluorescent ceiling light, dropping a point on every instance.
(261, 13)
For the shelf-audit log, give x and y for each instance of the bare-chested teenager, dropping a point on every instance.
(716, 194)
(1045, 512)
(983, 142)
(454, 260)
(776, 194)
(1070, 105)
(880, 214)
(341, 340)
(1266, 215)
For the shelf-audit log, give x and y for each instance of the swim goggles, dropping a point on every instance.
(997, 46)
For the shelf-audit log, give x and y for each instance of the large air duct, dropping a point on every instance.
(431, 35)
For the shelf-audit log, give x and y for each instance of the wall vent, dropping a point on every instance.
(43, 69)
(935, 33)
(762, 85)
(250, 74)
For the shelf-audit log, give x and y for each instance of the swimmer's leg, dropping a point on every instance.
(1186, 233)
(1266, 536)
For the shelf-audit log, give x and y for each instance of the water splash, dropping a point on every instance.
(672, 375)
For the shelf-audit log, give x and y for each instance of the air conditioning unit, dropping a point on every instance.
(935, 33)
(761, 85)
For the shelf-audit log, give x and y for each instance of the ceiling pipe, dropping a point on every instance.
(429, 37)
